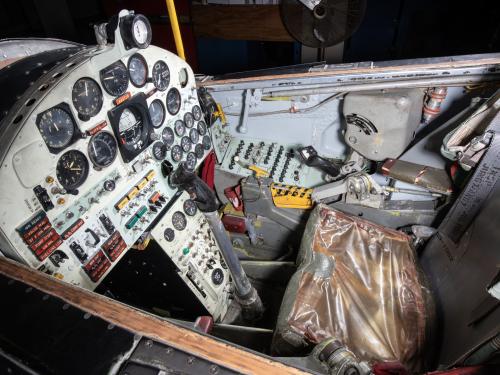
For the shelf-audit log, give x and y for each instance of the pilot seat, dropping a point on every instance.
(359, 283)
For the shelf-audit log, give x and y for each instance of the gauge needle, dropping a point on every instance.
(71, 165)
(75, 169)
(55, 126)
(95, 150)
(86, 89)
(108, 78)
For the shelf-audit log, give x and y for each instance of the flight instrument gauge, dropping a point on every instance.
(183, 77)
(114, 78)
(168, 136)
(102, 149)
(189, 207)
(190, 161)
(179, 127)
(199, 151)
(136, 31)
(186, 144)
(161, 75)
(72, 169)
(169, 234)
(179, 220)
(189, 119)
(202, 128)
(138, 70)
(196, 112)
(87, 97)
(194, 135)
(206, 142)
(130, 127)
(159, 150)
(56, 127)
(157, 113)
(176, 153)
(173, 101)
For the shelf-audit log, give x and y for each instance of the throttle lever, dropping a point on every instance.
(312, 159)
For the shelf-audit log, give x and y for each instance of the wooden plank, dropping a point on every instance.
(354, 70)
(146, 324)
(239, 22)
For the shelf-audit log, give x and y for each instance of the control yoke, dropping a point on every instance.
(204, 197)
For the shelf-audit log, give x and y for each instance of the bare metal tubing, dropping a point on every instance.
(364, 86)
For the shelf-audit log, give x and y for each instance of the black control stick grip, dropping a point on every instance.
(199, 191)
(312, 159)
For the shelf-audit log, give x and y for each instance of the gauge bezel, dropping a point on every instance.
(195, 160)
(127, 31)
(138, 105)
(76, 131)
(173, 136)
(169, 75)
(159, 144)
(144, 63)
(204, 144)
(200, 147)
(189, 201)
(179, 213)
(172, 150)
(183, 84)
(82, 179)
(89, 152)
(199, 118)
(178, 93)
(164, 113)
(183, 128)
(204, 126)
(85, 116)
(103, 71)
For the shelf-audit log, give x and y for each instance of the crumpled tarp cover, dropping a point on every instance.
(359, 283)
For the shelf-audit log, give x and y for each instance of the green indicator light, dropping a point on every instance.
(185, 251)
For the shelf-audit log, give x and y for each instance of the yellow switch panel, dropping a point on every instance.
(150, 175)
(133, 193)
(142, 183)
(290, 196)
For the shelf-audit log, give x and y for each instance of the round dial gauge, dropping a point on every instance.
(138, 70)
(190, 161)
(102, 149)
(206, 142)
(130, 126)
(179, 220)
(161, 75)
(87, 97)
(72, 169)
(189, 119)
(173, 101)
(114, 78)
(180, 129)
(176, 153)
(196, 112)
(56, 127)
(159, 150)
(183, 77)
(185, 144)
(168, 136)
(202, 128)
(199, 151)
(194, 136)
(169, 234)
(141, 31)
(189, 207)
(157, 113)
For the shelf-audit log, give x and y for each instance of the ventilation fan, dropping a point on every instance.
(322, 23)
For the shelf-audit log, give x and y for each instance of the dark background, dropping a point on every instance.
(391, 29)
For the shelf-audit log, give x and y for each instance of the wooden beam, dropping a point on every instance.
(146, 324)
(239, 22)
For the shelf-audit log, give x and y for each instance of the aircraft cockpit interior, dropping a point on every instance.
(341, 219)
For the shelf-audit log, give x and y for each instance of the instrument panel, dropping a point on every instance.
(85, 177)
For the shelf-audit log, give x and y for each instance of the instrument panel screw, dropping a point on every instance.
(190, 360)
(149, 343)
